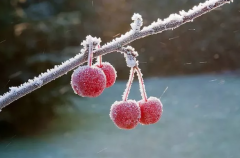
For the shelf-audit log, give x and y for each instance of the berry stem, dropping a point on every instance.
(90, 54)
(141, 84)
(100, 61)
(129, 84)
(99, 58)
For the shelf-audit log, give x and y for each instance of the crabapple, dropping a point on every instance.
(88, 81)
(109, 72)
(125, 114)
(151, 110)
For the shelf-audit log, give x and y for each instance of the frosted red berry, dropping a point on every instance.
(125, 114)
(88, 81)
(151, 110)
(109, 72)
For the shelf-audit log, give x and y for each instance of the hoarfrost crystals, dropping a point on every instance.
(137, 22)
(39, 82)
(89, 39)
(130, 55)
(12, 89)
(130, 60)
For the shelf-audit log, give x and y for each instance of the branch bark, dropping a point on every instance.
(170, 23)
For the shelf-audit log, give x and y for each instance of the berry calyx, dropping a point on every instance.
(151, 110)
(125, 114)
(88, 81)
(108, 70)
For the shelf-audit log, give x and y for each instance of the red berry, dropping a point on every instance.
(125, 114)
(151, 110)
(88, 81)
(109, 71)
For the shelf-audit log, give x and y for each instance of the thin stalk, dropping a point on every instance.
(100, 61)
(90, 54)
(129, 84)
(141, 84)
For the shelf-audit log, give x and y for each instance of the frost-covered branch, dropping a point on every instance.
(130, 55)
(170, 23)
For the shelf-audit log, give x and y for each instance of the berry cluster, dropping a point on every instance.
(91, 80)
(126, 114)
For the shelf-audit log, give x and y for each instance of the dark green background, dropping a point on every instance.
(35, 35)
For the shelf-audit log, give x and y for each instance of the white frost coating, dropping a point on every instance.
(89, 39)
(112, 46)
(39, 82)
(130, 55)
(137, 22)
(118, 39)
(131, 51)
(13, 88)
(179, 17)
(173, 18)
(130, 60)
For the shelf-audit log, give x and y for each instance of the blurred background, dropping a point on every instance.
(195, 69)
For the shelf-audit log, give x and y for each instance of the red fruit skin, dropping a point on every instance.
(109, 72)
(151, 111)
(125, 114)
(88, 81)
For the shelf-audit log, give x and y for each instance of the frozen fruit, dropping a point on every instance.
(151, 110)
(88, 81)
(109, 72)
(125, 114)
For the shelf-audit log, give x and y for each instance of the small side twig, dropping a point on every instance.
(172, 22)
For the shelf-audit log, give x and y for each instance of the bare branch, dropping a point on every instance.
(170, 23)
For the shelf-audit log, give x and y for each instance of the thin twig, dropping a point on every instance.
(172, 22)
